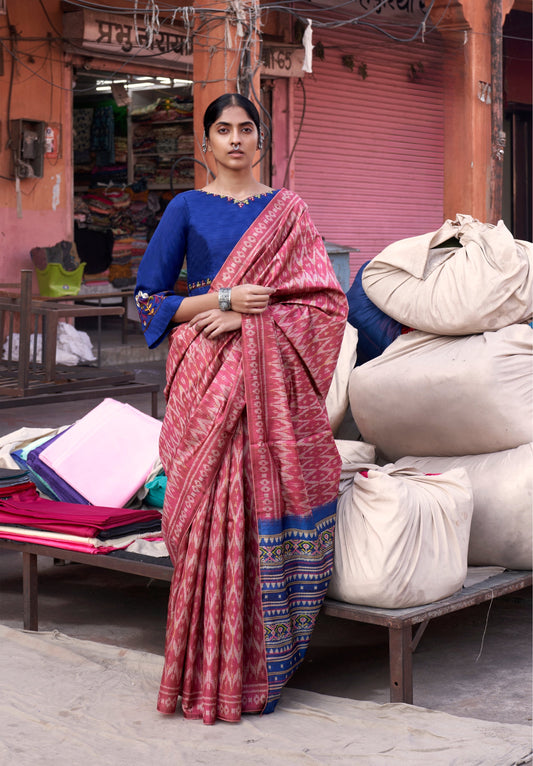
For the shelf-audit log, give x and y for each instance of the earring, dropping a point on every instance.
(260, 140)
(204, 143)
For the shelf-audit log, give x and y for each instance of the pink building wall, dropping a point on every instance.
(36, 85)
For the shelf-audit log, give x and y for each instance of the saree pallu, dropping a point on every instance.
(253, 475)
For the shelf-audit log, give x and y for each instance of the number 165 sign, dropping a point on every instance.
(282, 61)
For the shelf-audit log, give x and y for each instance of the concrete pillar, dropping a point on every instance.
(225, 60)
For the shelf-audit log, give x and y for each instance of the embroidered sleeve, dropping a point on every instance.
(158, 272)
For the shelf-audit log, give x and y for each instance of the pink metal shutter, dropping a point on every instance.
(369, 159)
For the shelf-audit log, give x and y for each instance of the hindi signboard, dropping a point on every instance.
(126, 36)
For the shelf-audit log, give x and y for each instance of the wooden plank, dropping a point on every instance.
(69, 379)
(400, 623)
(30, 590)
(25, 330)
(401, 664)
(79, 394)
(152, 568)
(506, 582)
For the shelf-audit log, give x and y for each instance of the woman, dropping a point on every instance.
(251, 464)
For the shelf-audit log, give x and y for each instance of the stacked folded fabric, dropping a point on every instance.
(103, 459)
(72, 485)
(14, 480)
(126, 215)
(28, 517)
(27, 457)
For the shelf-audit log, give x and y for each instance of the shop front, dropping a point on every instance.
(133, 139)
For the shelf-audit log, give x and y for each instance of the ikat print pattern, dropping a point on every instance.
(248, 452)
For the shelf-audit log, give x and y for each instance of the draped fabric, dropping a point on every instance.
(253, 476)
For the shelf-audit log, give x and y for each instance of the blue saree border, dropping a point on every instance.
(296, 563)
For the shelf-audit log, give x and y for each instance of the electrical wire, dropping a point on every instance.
(10, 93)
(267, 132)
(302, 116)
(182, 159)
(212, 16)
(58, 33)
(209, 17)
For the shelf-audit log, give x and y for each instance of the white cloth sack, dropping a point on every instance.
(401, 537)
(482, 282)
(337, 399)
(355, 455)
(446, 396)
(501, 533)
(72, 347)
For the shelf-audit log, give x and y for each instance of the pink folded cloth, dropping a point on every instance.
(108, 454)
(72, 542)
(26, 508)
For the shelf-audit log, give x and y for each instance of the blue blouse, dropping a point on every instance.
(199, 226)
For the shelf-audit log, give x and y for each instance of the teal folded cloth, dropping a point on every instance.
(156, 491)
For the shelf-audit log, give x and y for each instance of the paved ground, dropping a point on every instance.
(475, 663)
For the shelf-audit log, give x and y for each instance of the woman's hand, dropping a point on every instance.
(214, 322)
(250, 299)
(245, 299)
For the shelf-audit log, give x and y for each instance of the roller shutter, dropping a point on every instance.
(369, 159)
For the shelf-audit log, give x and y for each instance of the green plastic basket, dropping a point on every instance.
(55, 281)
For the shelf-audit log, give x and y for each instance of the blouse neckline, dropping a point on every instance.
(234, 200)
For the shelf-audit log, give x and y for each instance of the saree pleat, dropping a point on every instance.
(252, 477)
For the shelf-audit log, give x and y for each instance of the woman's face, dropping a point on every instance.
(233, 138)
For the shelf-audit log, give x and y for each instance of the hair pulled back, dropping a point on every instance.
(216, 107)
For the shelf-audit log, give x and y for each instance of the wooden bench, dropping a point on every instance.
(146, 566)
(399, 622)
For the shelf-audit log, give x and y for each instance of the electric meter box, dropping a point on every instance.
(27, 144)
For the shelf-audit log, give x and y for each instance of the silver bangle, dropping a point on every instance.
(224, 298)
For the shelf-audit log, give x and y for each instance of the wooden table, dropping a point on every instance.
(146, 566)
(29, 381)
(111, 298)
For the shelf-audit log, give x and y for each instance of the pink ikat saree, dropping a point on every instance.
(253, 476)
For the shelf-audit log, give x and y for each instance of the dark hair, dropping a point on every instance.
(216, 107)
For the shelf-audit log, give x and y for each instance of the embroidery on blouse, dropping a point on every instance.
(200, 283)
(147, 305)
(239, 202)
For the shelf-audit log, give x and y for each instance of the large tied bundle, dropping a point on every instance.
(401, 537)
(447, 396)
(337, 399)
(502, 484)
(467, 277)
